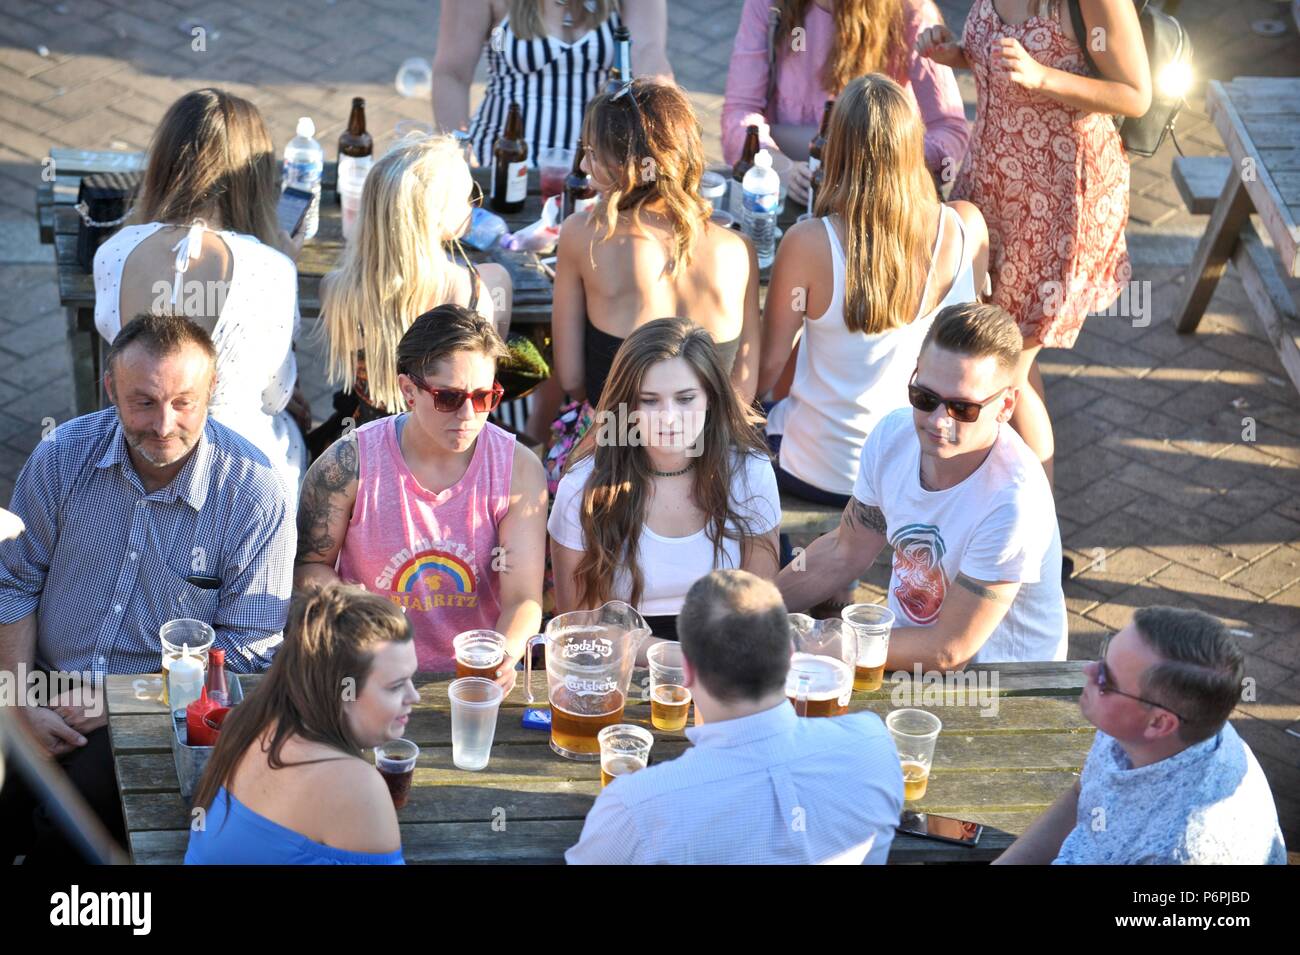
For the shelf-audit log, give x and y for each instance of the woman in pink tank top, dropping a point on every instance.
(437, 509)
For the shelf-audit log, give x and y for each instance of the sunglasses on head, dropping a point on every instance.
(450, 400)
(925, 400)
(1106, 685)
(626, 91)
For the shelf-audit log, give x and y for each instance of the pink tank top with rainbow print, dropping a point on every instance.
(431, 554)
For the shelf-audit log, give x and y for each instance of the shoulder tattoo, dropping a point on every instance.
(323, 497)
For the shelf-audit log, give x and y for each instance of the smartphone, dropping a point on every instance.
(943, 828)
(292, 209)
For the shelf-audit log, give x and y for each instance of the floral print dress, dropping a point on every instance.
(1052, 182)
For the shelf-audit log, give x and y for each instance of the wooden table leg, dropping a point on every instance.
(84, 352)
(1232, 209)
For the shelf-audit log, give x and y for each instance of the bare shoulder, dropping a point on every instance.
(359, 808)
(971, 217)
(325, 503)
(527, 476)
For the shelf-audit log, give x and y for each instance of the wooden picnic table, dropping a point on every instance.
(528, 806)
(1258, 119)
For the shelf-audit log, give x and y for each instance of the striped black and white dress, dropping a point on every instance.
(549, 79)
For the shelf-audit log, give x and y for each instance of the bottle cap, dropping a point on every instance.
(763, 158)
(306, 127)
(216, 658)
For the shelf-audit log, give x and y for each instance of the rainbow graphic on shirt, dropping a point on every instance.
(433, 567)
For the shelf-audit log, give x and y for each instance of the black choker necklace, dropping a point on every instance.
(672, 473)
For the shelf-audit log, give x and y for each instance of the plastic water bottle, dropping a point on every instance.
(762, 188)
(304, 162)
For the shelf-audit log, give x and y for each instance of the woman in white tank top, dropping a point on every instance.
(861, 284)
(206, 245)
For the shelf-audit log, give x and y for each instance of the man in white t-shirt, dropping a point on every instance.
(964, 503)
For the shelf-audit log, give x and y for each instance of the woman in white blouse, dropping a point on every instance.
(671, 482)
(208, 246)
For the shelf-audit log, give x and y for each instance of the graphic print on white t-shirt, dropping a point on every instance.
(918, 570)
(999, 524)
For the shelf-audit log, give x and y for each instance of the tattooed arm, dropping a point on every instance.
(971, 611)
(834, 560)
(324, 510)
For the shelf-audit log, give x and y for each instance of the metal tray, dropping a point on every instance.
(192, 760)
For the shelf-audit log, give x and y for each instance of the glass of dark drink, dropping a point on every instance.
(552, 168)
(395, 760)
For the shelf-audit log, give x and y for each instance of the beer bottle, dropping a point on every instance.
(510, 165)
(742, 166)
(621, 71)
(356, 148)
(578, 190)
(815, 156)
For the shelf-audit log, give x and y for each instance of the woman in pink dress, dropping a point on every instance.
(1047, 169)
(790, 56)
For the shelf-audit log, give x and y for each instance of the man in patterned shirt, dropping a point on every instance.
(133, 516)
(1168, 780)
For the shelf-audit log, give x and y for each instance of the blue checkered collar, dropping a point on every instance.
(191, 482)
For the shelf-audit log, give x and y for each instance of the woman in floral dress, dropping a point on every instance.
(1046, 167)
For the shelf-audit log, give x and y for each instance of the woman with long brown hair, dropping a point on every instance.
(790, 56)
(862, 282)
(671, 482)
(647, 247)
(204, 243)
(286, 784)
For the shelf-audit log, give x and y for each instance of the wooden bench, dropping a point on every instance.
(805, 522)
(1259, 121)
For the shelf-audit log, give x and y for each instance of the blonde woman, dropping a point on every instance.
(204, 244)
(549, 56)
(417, 199)
(862, 282)
(647, 248)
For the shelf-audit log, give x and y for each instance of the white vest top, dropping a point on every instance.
(846, 381)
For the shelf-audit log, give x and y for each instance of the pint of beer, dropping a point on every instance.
(914, 733)
(576, 720)
(873, 624)
(624, 748)
(479, 653)
(670, 700)
(818, 685)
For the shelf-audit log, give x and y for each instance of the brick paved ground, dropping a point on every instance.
(1163, 496)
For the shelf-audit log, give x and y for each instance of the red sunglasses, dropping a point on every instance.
(449, 400)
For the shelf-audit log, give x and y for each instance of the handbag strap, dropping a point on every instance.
(773, 22)
(83, 209)
(1081, 29)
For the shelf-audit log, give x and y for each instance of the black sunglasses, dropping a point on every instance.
(925, 400)
(1106, 685)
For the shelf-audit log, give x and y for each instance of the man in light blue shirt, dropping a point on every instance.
(133, 516)
(1168, 780)
(760, 785)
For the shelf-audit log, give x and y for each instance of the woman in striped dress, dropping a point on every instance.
(549, 56)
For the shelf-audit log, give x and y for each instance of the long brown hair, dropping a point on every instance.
(653, 149)
(212, 149)
(617, 492)
(870, 37)
(526, 15)
(329, 646)
(874, 178)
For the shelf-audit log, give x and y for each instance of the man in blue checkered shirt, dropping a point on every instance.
(133, 516)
